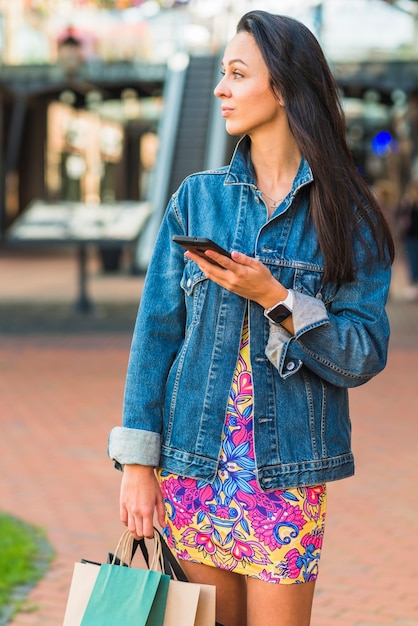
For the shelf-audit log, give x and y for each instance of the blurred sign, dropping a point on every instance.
(68, 222)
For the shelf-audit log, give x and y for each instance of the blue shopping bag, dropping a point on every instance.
(125, 596)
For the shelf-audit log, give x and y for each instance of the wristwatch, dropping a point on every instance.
(280, 311)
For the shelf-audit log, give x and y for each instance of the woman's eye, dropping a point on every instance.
(235, 74)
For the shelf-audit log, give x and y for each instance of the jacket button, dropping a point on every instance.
(189, 283)
(290, 366)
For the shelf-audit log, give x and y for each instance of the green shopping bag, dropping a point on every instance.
(125, 596)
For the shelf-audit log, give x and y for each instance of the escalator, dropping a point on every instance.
(192, 138)
(194, 124)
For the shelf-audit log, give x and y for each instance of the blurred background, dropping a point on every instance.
(106, 105)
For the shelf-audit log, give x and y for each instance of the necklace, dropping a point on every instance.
(275, 203)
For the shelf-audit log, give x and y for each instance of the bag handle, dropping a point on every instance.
(124, 549)
(162, 558)
(170, 564)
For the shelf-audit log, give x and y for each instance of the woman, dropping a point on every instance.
(237, 382)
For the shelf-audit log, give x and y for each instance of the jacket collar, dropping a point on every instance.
(240, 170)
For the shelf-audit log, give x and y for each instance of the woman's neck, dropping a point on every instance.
(275, 167)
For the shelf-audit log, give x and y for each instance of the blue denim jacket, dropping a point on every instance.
(187, 336)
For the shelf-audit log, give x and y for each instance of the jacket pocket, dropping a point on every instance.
(194, 284)
(310, 282)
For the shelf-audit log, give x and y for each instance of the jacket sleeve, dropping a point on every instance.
(158, 333)
(344, 343)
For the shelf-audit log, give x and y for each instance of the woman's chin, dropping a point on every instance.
(233, 129)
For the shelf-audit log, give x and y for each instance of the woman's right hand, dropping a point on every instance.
(140, 497)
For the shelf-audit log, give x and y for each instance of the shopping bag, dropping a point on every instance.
(109, 594)
(82, 583)
(127, 596)
(188, 604)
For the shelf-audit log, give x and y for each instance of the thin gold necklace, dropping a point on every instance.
(275, 203)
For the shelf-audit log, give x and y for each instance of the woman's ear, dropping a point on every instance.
(279, 96)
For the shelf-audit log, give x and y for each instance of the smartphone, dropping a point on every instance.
(198, 245)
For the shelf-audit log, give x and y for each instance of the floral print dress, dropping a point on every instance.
(275, 536)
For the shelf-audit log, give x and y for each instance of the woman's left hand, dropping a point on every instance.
(242, 275)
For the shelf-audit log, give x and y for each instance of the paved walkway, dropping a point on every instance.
(61, 385)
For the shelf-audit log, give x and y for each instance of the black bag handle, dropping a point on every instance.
(171, 566)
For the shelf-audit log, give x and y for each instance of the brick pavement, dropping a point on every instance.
(61, 384)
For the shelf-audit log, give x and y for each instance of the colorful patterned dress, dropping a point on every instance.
(275, 536)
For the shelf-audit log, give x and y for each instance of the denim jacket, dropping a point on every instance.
(187, 336)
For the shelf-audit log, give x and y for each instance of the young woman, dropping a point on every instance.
(236, 411)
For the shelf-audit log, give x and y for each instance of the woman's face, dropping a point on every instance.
(248, 103)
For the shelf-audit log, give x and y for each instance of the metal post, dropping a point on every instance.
(16, 130)
(83, 304)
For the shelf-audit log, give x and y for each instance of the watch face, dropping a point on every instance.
(279, 313)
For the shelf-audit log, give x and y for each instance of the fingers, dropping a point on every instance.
(147, 524)
(141, 524)
(215, 272)
(134, 525)
(243, 259)
(236, 258)
(123, 512)
(241, 274)
(207, 266)
(161, 513)
(140, 500)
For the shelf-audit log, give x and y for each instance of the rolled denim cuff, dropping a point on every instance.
(308, 313)
(279, 338)
(130, 446)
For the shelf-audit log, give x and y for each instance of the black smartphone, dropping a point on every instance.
(198, 245)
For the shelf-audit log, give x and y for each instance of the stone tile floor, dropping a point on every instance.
(61, 385)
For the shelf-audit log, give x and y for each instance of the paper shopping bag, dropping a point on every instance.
(82, 583)
(125, 596)
(190, 604)
(206, 608)
(187, 604)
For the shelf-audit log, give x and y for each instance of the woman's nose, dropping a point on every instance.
(220, 89)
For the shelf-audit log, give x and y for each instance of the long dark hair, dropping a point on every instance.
(300, 73)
